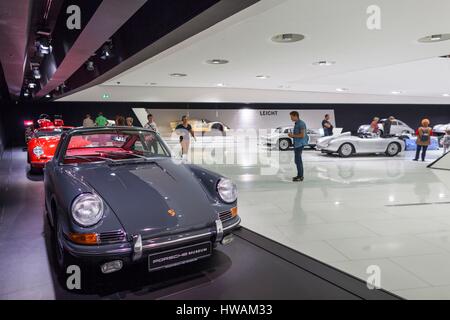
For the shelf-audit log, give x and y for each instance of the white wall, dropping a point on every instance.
(235, 119)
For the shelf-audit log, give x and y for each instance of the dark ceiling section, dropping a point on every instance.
(42, 57)
(63, 38)
(72, 50)
(14, 27)
(157, 26)
(153, 21)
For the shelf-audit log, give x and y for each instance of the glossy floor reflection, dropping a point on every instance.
(352, 213)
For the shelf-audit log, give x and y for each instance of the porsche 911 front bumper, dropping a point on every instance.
(140, 249)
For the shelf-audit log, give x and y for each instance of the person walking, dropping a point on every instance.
(184, 129)
(88, 122)
(151, 124)
(424, 134)
(300, 140)
(101, 121)
(445, 141)
(327, 126)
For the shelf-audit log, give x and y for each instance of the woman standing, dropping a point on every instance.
(184, 129)
(424, 134)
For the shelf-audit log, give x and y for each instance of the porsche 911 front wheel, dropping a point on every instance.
(392, 149)
(346, 150)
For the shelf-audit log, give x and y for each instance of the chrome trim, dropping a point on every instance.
(232, 225)
(137, 247)
(219, 230)
(165, 243)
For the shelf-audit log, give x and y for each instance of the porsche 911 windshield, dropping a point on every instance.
(114, 145)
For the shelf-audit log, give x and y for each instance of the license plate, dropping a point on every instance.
(178, 256)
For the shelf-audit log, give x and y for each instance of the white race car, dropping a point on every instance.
(347, 145)
(440, 129)
(279, 137)
(397, 128)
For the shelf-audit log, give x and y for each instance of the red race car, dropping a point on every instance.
(42, 145)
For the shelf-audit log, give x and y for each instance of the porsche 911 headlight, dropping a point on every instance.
(87, 209)
(227, 190)
(38, 151)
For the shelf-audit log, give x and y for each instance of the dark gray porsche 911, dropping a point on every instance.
(114, 196)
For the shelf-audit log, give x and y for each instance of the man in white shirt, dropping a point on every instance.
(151, 124)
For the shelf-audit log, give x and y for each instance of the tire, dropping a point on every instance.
(35, 171)
(393, 149)
(346, 150)
(284, 144)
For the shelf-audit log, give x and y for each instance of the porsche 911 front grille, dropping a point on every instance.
(112, 236)
(225, 216)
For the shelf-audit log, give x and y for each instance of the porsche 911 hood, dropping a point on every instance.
(154, 198)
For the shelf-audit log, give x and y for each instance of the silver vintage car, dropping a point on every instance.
(347, 145)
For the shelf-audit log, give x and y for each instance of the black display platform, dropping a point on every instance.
(251, 267)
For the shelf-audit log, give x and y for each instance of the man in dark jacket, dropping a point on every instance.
(387, 126)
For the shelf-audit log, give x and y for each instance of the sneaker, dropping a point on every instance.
(415, 159)
(296, 179)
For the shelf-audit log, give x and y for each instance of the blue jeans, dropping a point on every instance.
(299, 161)
(424, 152)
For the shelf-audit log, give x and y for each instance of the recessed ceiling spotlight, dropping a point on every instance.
(435, 38)
(396, 92)
(342, 89)
(261, 76)
(48, 95)
(324, 63)
(32, 85)
(288, 37)
(446, 95)
(178, 75)
(217, 61)
(221, 84)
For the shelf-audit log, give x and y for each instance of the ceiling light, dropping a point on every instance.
(48, 95)
(341, 89)
(43, 46)
(26, 93)
(396, 92)
(261, 76)
(446, 95)
(106, 96)
(36, 73)
(324, 63)
(435, 38)
(221, 84)
(31, 85)
(178, 75)
(90, 65)
(288, 37)
(106, 51)
(217, 61)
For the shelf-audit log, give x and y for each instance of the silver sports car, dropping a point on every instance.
(346, 145)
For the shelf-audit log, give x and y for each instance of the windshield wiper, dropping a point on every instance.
(89, 158)
(122, 153)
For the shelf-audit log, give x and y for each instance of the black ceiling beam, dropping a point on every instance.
(14, 18)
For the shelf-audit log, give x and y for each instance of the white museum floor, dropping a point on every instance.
(351, 213)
